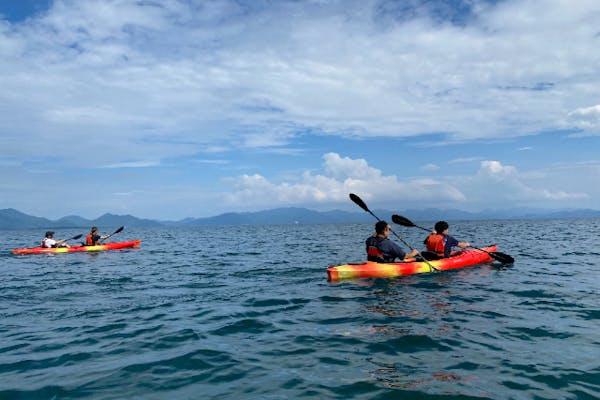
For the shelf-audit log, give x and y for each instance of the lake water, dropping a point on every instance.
(247, 313)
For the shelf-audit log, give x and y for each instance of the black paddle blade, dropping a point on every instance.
(359, 202)
(118, 230)
(75, 237)
(400, 220)
(502, 257)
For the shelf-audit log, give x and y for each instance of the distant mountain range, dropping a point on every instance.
(14, 219)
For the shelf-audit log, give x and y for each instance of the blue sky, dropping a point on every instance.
(185, 108)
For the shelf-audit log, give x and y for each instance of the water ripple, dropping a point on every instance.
(255, 318)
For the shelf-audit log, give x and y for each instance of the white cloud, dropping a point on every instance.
(562, 195)
(222, 71)
(504, 186)
(464, 160)
(342, 175)
(586, 118)
(430, 167)
(209, 161)
(342, 168)
(593, 112)
(495, 170)
(133, 164)
(494, 184)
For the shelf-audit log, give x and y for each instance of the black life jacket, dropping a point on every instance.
(373, 252)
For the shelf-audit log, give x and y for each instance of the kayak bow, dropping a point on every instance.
(74, 249)
(370, 269)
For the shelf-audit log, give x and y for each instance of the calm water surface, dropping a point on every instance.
(247, 313)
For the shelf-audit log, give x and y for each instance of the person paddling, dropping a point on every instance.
(381, 249)
(440, 244)
(93, 238)
(48, 241)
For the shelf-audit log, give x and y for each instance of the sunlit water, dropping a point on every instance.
(247, 313)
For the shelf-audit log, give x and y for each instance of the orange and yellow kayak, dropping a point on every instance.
(74, 249)
(369, 269)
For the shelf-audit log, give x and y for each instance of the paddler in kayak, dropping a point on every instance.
(93, 238)
(48, 241)
(381, 249)
(439, 244)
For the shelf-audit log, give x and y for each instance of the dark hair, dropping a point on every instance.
(380, 227)
(49, 233)
(441, 226)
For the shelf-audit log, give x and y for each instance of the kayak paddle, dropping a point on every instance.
(496, 255)
(114, 233)
(362, 205)
(400, 220)
(65, 240)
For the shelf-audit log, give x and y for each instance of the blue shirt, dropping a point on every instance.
(449, 243)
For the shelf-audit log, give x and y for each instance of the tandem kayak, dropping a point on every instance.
(74, 249)
(370, 269)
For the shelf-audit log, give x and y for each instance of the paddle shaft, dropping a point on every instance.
(395, 234)
(115, 232)
(363, 205)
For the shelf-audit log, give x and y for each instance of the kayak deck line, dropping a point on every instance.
(370, 269)
(131, 244)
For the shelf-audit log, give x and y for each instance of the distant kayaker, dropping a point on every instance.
(93, 238)
(48, 241)
(381, 249)
(440, 243)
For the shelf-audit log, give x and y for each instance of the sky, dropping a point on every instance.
(182, 108)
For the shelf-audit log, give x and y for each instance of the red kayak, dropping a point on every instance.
(369, 269)
(74, 249)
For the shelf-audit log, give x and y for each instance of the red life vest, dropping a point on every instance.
(435, 243)
(89, 240)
